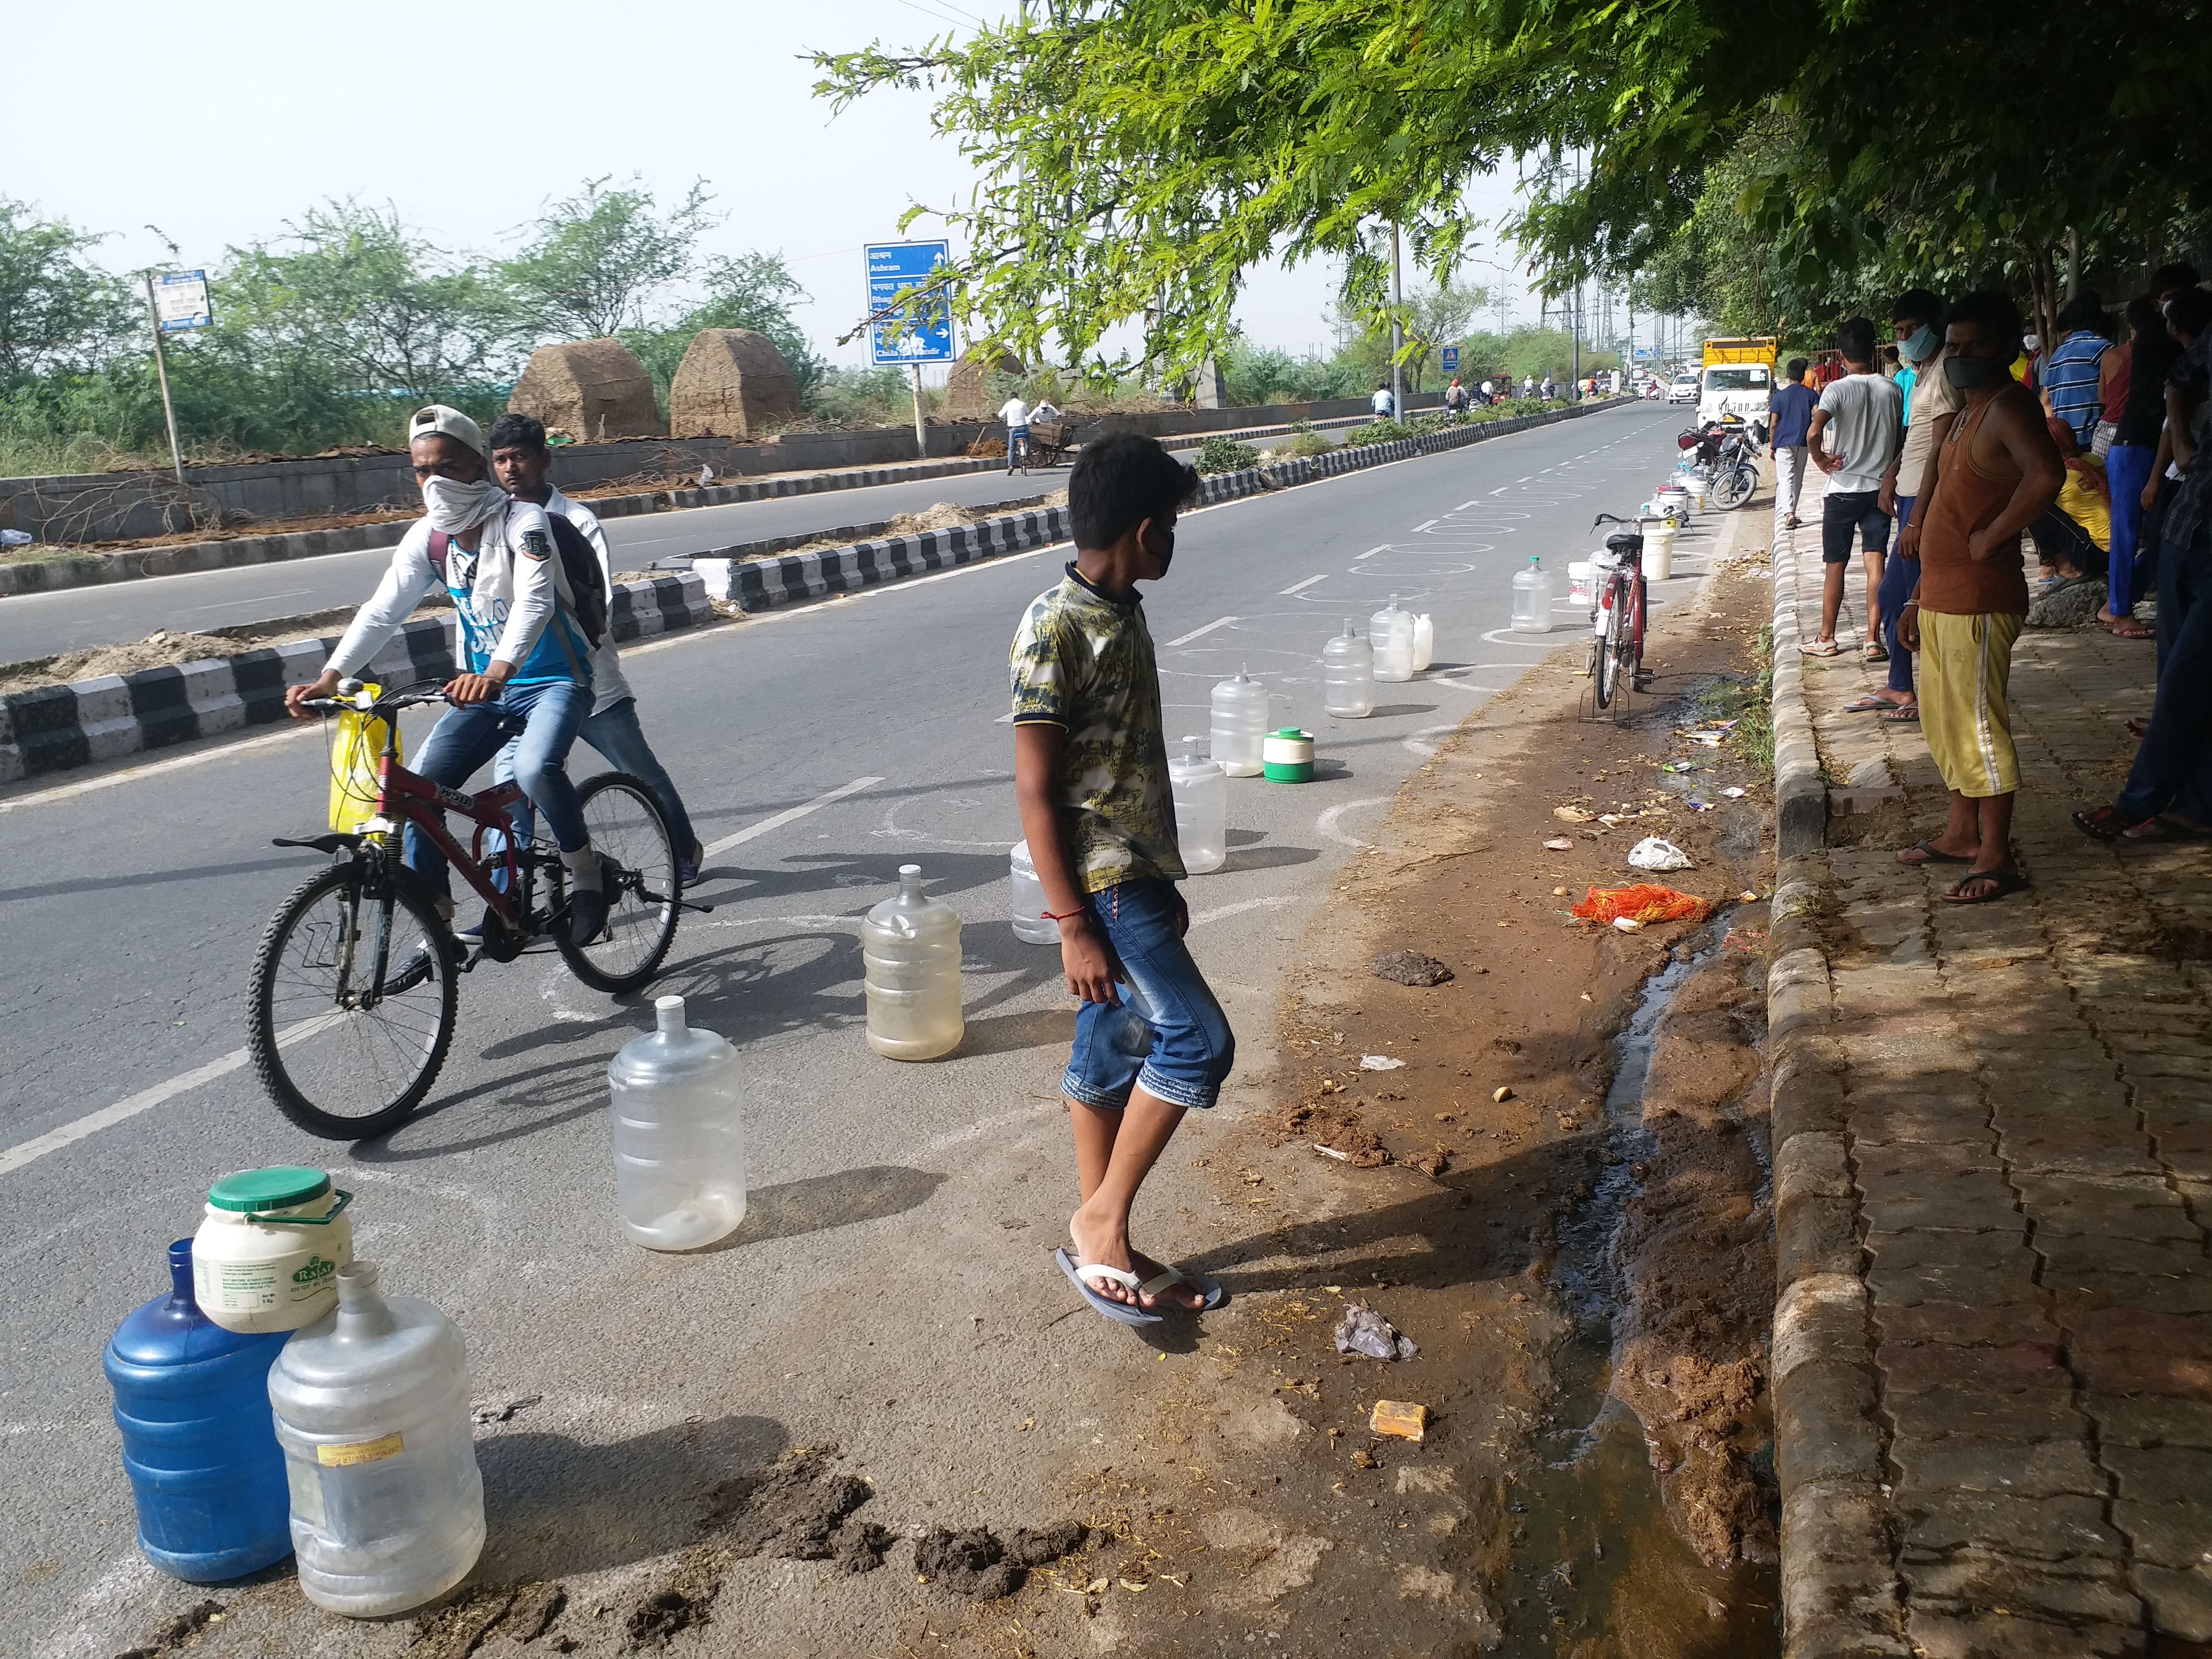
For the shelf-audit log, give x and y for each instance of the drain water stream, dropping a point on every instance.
(1599, 1572)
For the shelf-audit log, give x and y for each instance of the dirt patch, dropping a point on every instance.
(944, 515)
(679, 1600)
(174, 1633)
(164, 649)
(796, 1509)
(481, 1619)
(976, 1563)
(234, 527)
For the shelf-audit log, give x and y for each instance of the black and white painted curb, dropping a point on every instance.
(755, 585)
(57, 727)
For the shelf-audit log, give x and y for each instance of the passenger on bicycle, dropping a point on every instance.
(525, 660)
(520, 461)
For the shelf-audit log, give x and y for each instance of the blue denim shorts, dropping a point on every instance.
(1180, 1046)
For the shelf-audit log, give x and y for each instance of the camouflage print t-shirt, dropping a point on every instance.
(1084, 662)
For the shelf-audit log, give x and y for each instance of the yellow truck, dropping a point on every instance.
(1738, 378)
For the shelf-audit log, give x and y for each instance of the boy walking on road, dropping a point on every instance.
(1091, 774)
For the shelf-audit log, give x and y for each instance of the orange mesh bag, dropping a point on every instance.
(1644, 902)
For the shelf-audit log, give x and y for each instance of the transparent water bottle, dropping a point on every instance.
(372, 1408)
(679, 1136)
(1532, 599)
(1424, 643)
(1202, 808)
(1240, 725)
(1391, 631)
(1029, 924)
(1347, 675)
(910, 953)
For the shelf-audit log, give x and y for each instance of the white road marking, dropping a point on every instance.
(1426, 741)
(1304, 584)
(1501, 489)
(1224, 912)
(1418, 529)
(132, 773)
(1326, 823)
(791, 815)
(1516, 637)
(1199, 633)
(258, 599)
(1383, 547)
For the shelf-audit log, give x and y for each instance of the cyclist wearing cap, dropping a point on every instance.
(525, 660)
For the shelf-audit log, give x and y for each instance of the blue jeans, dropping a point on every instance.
(1181, 1047)
(615, 733)
(2172, 766)
(549, 712)
(1899, 577)
(2127, 470)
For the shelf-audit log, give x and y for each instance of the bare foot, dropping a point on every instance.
(1100, 1245)
(1178, 1296)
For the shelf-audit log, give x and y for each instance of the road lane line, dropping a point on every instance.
(1304, 584)
(1222, 913)
(1200, 633)
(1382, 548)
(791, 815)
(132, 773)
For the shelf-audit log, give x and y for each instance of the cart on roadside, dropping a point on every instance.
(1052, 443)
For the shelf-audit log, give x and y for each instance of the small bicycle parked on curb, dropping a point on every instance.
(354, 996)
(1618, 598)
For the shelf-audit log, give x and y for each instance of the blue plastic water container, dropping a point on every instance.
(199, 1443)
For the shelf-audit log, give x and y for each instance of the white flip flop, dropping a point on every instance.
(1122, 1313)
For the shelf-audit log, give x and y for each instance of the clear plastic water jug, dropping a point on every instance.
(1347, 675)
(192, 1401)
(1424, 642)
(372, 1408)
(1029, 924)
(679, 1135)
(1391, 631)
(1240, 725)
(910, 953)
(1202, 808)
(1532, 599)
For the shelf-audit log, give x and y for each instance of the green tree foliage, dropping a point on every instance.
(59, 312)
(753, 290)
(597, 261)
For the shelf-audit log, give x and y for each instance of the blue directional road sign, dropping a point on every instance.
(1451, 359)
(921, 333)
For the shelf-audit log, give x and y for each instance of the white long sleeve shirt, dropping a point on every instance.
(609, 687)
(511, 602)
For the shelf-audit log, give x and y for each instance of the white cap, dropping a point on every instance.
(437, 420)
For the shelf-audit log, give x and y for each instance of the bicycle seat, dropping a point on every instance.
(1621, 543)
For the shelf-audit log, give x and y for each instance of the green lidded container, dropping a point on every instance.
(269, 1248)
(1287, 755)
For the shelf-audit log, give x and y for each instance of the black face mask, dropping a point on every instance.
(1966, 372)
(1163, 549)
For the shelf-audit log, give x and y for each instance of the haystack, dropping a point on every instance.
(968, 395)
(592, 390)
(732, 383)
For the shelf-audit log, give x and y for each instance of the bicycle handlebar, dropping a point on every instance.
(390, 702)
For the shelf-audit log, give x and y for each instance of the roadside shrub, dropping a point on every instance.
(1378, 432)
(1224, 454)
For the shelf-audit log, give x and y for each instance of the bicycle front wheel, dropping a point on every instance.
(1736, 487)
(344, 1055)
(1605, 672)
(638, 856)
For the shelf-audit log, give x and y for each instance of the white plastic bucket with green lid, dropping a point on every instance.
(267, 1254)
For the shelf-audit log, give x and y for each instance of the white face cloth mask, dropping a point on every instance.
(454, 507)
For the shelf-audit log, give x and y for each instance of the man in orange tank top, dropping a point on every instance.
(1996, 470)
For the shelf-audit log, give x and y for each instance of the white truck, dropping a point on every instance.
(1738, 379)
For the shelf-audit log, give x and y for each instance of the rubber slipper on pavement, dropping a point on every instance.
(1211, 1294)
(1121, 1313)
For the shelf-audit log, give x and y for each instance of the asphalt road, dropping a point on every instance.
(75, 618)
(891, 1291)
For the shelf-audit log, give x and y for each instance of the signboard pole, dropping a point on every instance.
(161, 367)
(920, 436)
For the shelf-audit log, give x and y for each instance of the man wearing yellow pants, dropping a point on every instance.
(1996, 470)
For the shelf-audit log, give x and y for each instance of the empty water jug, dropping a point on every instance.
(1391, 629)
(910, 953)
(1532, 599)
(1202, 808)
(192, 1401)
(372, 1408)
(1347, 675)
(1240, 725)
(1029, 923)
(679, 1136)
(1424, 642)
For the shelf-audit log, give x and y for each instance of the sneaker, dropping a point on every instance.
(415, 967)
(687, 873)
(588, 915)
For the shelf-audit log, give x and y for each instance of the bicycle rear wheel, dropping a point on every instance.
(639, 857)
(1605, 670)
(1734, 487)
(339, 1060)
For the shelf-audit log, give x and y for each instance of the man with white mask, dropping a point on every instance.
(524, 660)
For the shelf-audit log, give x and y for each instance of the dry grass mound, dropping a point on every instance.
(591, 389)
(732, 383)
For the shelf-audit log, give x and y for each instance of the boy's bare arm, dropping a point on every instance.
(1039, 748)
(2026, 442)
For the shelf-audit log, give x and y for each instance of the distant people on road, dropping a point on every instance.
(1016, 414)
(1090, 778)
(1489, 392)
(1456, 397)
(521, 462)
(1856, 433)
(1385, 405)
(1997, 471)
(1551, 389)
(1528, 385)
(1043, 412)
(1791, 413)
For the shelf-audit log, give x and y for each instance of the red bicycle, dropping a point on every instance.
(354, 991)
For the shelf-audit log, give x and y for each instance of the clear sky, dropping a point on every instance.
(219, 120)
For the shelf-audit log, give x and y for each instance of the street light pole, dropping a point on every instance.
(1397, 331)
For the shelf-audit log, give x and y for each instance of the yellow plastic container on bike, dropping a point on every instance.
(357, 765)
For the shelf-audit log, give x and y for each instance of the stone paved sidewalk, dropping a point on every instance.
(1993, 1129)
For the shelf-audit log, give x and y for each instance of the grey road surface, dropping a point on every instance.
(75, 618)
(891, 1291)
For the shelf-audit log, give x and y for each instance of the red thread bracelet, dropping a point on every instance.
(1064, 915)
